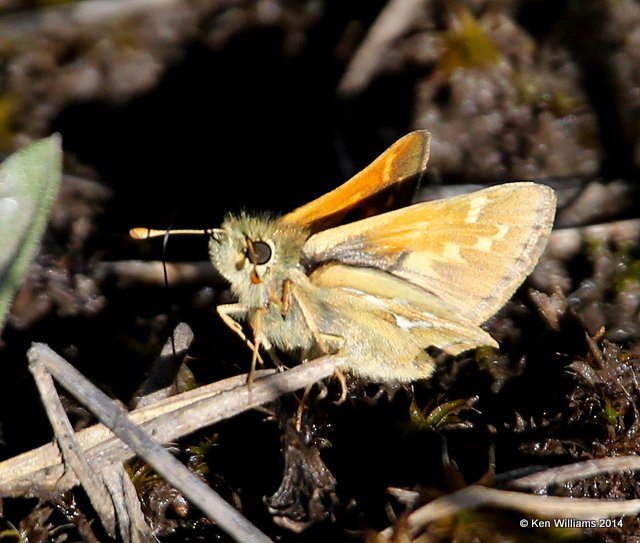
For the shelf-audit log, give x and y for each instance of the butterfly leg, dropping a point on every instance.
(227, 313)
(255, 322)
(343, 386)
(328, 344)
(333, 344)
(301, 407)
(273, 354)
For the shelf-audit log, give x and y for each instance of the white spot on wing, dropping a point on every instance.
(483, 244)
(373, 300)
(475, 208)
(452, 252)
(503, 229)
(406, 324)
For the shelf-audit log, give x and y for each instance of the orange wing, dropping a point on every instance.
(471, 251)
(406, 159)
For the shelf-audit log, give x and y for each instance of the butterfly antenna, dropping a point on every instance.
(146, 233)
(165, 276)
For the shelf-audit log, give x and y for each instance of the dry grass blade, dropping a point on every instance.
(74, 458)
(392, 22)
(580, 470)
(540, 506)
(112, 415)
(41, 469)
(132, 273)
(132, 523)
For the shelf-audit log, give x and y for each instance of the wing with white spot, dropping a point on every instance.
(413, 311)
(469, 252)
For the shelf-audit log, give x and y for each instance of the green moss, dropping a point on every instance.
(11, 534)
(467, 46)
(611, 414)
(628, 275)
(437, 416)
(532, 93)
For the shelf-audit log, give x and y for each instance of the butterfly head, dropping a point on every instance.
(255, 254)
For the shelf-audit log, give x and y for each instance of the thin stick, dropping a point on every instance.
(580, 470)
(117, 420)
(392, 22)
(39, 470)
(540, 506)
(133, 273)
(73, 455)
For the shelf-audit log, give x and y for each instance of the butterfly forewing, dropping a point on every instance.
(403, 161)
(470, 251)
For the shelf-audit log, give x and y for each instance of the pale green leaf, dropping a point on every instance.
(29, 181)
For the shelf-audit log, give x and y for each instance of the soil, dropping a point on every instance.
(174, 113)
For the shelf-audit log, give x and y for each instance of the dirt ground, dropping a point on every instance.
(175, 112)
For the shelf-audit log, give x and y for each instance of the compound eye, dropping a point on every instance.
(258, 252)
(262, 252)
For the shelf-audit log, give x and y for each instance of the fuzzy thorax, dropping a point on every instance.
(256, 280)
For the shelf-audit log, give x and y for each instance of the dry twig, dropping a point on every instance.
(112, 415)
(40, 470)
(540, 506)
(560, 475)
(392, 22)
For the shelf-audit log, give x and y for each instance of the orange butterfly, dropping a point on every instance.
(383, 289)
